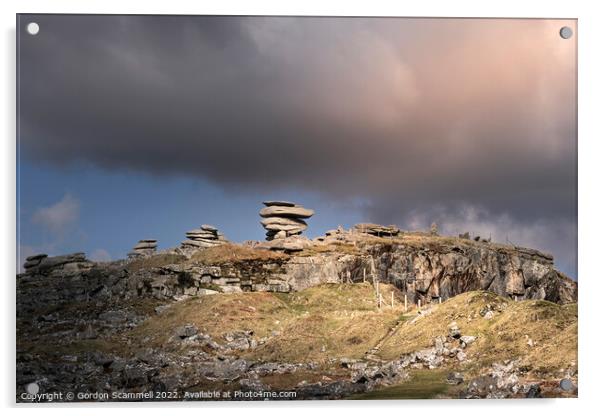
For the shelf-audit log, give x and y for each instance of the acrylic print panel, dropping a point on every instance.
(292, 208)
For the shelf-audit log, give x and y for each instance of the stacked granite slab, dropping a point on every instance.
(377, 229)
(144, 248)
(283, 219)
(204, 237)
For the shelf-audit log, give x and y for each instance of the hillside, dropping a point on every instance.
(313, 342)
(346, 315)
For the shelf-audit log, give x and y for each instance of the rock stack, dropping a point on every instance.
(283, 219)
(144, 248)
(204, 237)
(377, 230)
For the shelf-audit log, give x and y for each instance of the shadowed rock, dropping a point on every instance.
(279, 203)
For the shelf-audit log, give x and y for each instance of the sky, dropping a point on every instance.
(133, 127)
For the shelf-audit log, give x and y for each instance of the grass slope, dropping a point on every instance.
(343, 320)
(318, 323)
(541, 333)
(324, 323)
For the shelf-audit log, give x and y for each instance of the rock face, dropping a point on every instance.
(427, 268)
(204, 237)
(283, 219)
(144, 248)
(454, 269)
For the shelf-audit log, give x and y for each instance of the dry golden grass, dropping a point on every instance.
(334, 247)
(330, 321)
(551, 327)
(342, 318)
(215, 315)
(235, 253)
(420, 240)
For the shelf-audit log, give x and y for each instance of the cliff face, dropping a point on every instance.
(424, 268)
(453, 268)
(439, 269)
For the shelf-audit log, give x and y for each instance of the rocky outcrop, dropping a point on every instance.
(449, 269)
(33, 261)
(71, 278)
(500, 381)
(144, 248)
(377, 230)
(283, 219)
(204, 237)
(177, 281)
(67, 264)
(423, 267)
(427, 268)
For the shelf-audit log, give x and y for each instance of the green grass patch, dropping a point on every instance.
(423, 384)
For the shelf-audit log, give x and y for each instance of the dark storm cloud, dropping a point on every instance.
(410, 116)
